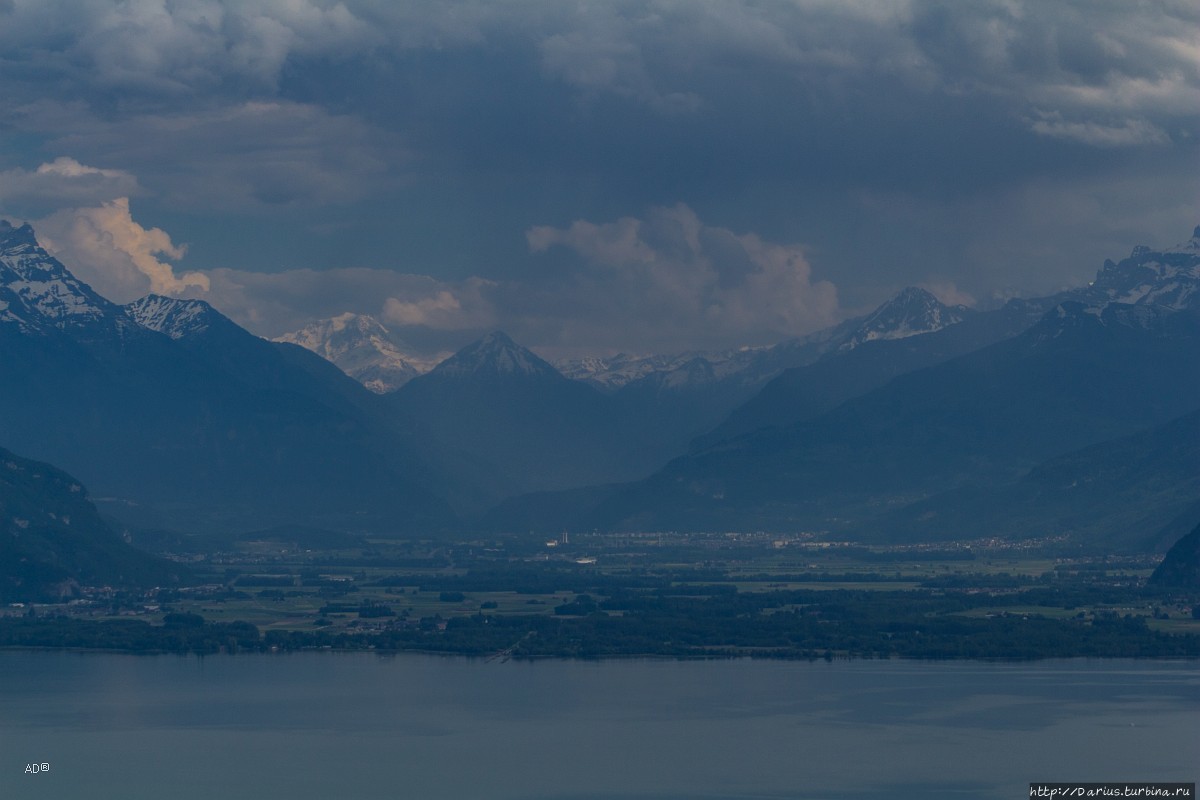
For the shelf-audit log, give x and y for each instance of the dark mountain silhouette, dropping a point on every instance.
(1181, 566)
(804, 392)
(53, 541)
(522, 426)
(1082, 375)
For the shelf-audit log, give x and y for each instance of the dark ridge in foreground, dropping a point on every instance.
(1181, 566)
(52, 539)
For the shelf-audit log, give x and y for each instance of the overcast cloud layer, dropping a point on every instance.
(598, 176)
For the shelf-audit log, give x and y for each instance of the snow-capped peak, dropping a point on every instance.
(37, 291)
(912, 312)
(495, 354)
(1169, 278)
(172, 316)
(334, 336)
(364, 349)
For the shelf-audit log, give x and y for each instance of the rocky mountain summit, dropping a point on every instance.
(364, 349)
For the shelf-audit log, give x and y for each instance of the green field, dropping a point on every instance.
(666, 594)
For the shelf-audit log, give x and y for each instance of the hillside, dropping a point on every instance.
(52, 539)
(167, 404)
(1181, 566)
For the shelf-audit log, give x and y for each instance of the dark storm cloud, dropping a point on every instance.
(975, 146)
(242, 156)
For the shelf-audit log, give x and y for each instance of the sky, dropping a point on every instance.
(594, 177)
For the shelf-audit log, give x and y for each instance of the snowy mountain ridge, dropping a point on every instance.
(37, 292)
(617, 371)
(1169, 278)
(171, 316)
(497, 355)
(364, 349)
(911, 313)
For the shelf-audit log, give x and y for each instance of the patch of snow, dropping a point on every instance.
(1167, 278)
(676, 369)
(171, 316)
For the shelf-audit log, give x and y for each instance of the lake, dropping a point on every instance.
(325, 725)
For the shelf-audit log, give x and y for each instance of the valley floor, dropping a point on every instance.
(657, 594)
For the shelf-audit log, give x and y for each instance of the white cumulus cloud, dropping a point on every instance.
(675, 281)
(106, 248)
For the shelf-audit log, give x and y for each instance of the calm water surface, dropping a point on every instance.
(360, 726)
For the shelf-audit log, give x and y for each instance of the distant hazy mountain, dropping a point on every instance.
(1076, 378)
(684, 396)
(1167, 279)
(615, 372)
(52, 539)
(1120, 494)
(870, 355)
(169, 404)
(1082, 375)
(912, 312)
(495, 357)
(364, 349)
(498, 409)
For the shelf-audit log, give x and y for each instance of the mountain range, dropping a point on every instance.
(523, 426)
(170, 406)
(918, 421)
(364, 349)
(850, 441)
(370, 353)
(1075, 379)
(1147, 482)
(912, 312)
